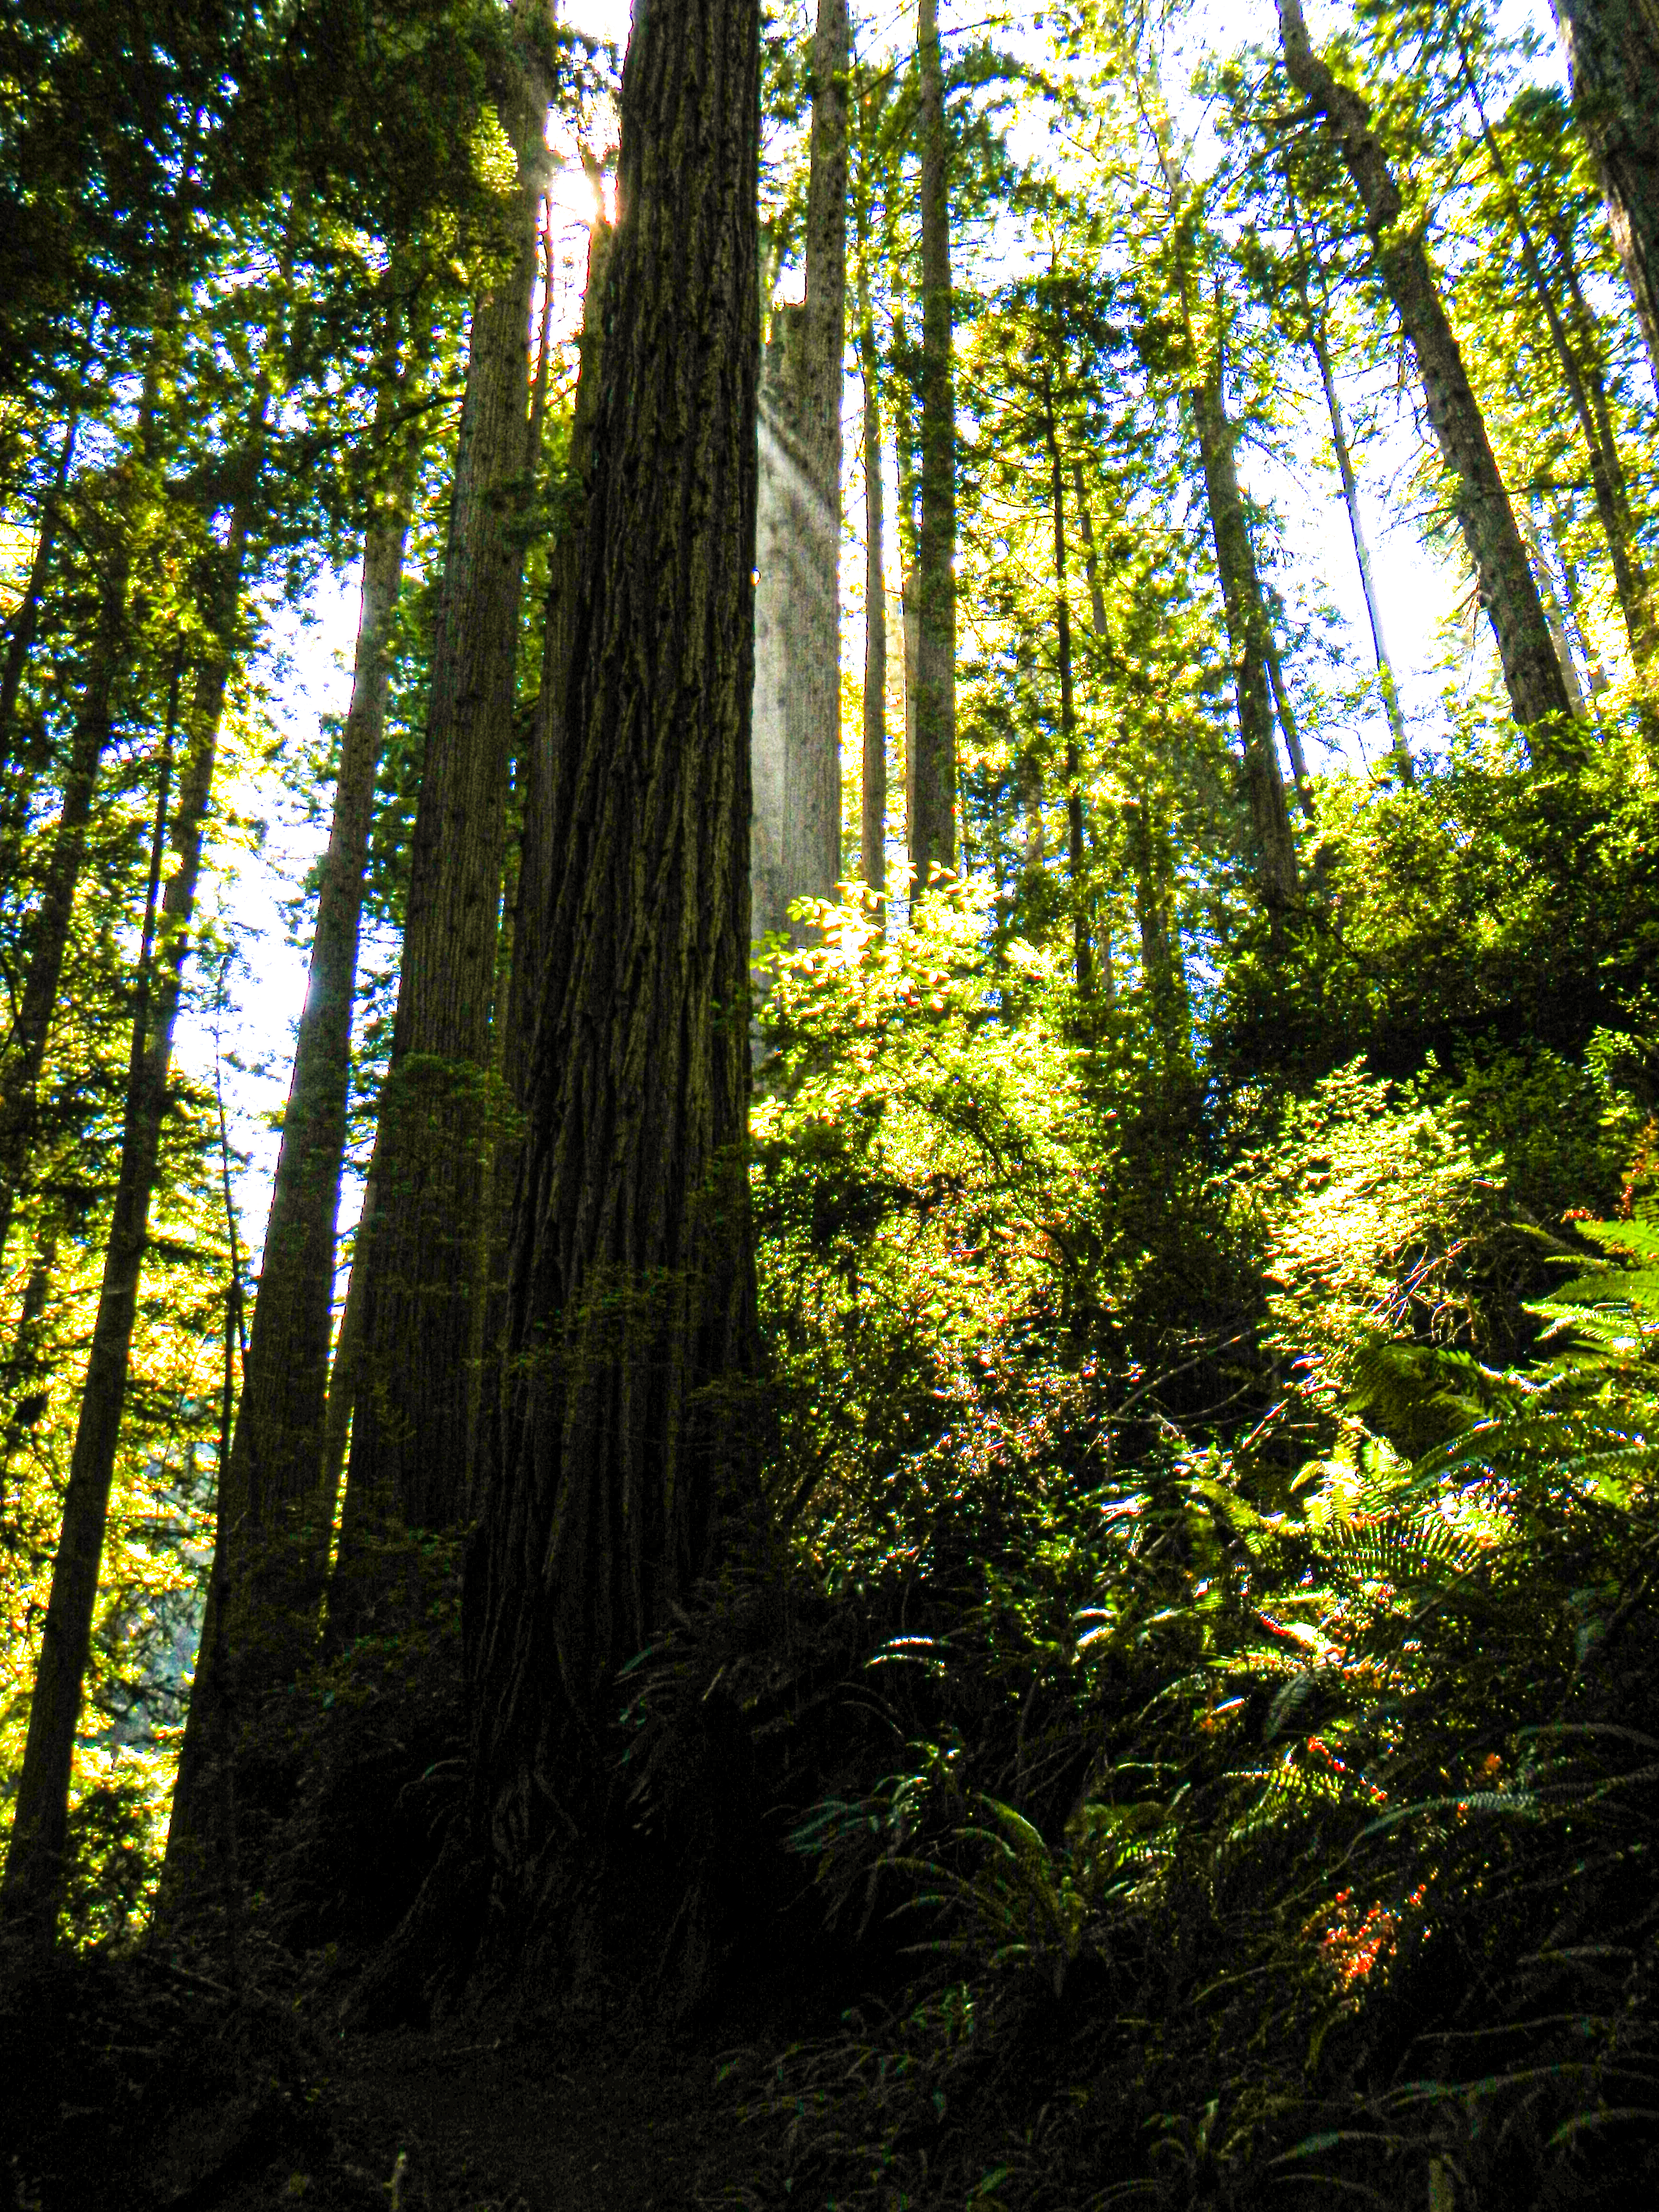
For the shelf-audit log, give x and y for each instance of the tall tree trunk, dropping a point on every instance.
(872, 826)
(1531, 672)
(25, 620)
(822, 395)
(26, 1366)
(274, 1519)
(34, 1873)
(421, 1248)
(796, 722)
(1613, 54)
(1606, 473)
(1317, 328)
(1555, 619)
(631, 1300)
(1287, 722)
(24, 1055)
(1160, 961)
(1249, 641)
(1083, 966)
(933, 774)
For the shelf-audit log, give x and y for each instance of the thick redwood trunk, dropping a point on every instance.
(1612, 52)
(933, 771)
(1272, 839)
(422, 1250)
(1531, 669)
(632, 1293)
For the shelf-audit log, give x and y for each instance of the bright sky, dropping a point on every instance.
(1415, 595)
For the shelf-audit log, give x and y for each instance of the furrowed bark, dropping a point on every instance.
(422, 1250)
(1531, 672)
(933, 774)
(1273, 842)
(631, 1302)
(1613, 54)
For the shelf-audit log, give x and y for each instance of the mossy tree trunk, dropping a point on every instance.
(631, 1300)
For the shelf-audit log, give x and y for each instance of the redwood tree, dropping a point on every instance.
(631, 1300)
(422, 1252)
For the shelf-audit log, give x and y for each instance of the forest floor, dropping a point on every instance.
(599, 2121)
(123, 2083)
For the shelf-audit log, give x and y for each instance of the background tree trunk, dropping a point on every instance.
(274, 1519)
(1247, 634)
(34, 1862)
(421, 1249)
(796, 771)
(631, 1301)
(1082, 965)
(933, 771)
(1531, 670)
(1613, 54)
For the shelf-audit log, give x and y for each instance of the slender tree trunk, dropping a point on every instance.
(1075, 857)
(1248, 640)
(873, 815)
(421, 1248)
(26, 621)
(1319, 346)
(1160, 962)
(796, 722)
(25, 1367)
(1606, 475)
(274, 1519)
(822, 395)
(934, 772)
(1613, 54)
(34, 1863)
(1559, 526)
(1536, 686)
(1287, 725)
(24, 1056)
(632, 1293)
(1556, 619)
